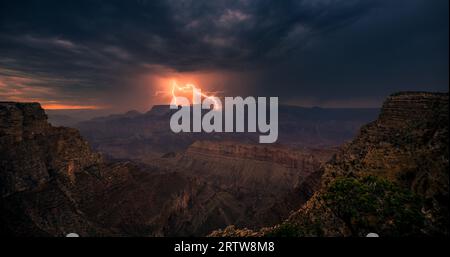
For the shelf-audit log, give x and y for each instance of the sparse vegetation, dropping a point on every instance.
(286, 230)
(360, 205)
(371, 204)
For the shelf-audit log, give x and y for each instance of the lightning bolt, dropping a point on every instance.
(195, 90)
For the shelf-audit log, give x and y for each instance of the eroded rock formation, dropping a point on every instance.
(406, 152)
(52, 184)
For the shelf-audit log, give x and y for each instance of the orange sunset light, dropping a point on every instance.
(69, 107)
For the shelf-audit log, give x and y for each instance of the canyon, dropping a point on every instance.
(53, 183)
(134, 177)
(145, 136)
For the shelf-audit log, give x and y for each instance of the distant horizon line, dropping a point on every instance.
(161, 105)
(105, 108)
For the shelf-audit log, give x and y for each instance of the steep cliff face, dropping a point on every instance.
(255, 185)
(36, 157)
(20, 121)
(52, 184)
(407, 144)
(282, 178)
(412, 128)
(32, 151)
(391, 179)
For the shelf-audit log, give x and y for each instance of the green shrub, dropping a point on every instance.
(371, 204)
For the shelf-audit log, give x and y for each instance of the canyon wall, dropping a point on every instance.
(405, 152)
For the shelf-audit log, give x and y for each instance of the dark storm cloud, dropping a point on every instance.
(184, 35)
(319, 49)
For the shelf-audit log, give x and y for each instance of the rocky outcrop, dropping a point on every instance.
(52, 184)
(32, 151)
(35, 157)
(407, 146)
(18, 121)
(405, 109)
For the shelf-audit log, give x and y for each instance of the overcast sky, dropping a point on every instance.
(121, 54)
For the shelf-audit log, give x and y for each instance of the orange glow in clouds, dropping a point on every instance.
(189, 90)
(16, 87)
(168, 85)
